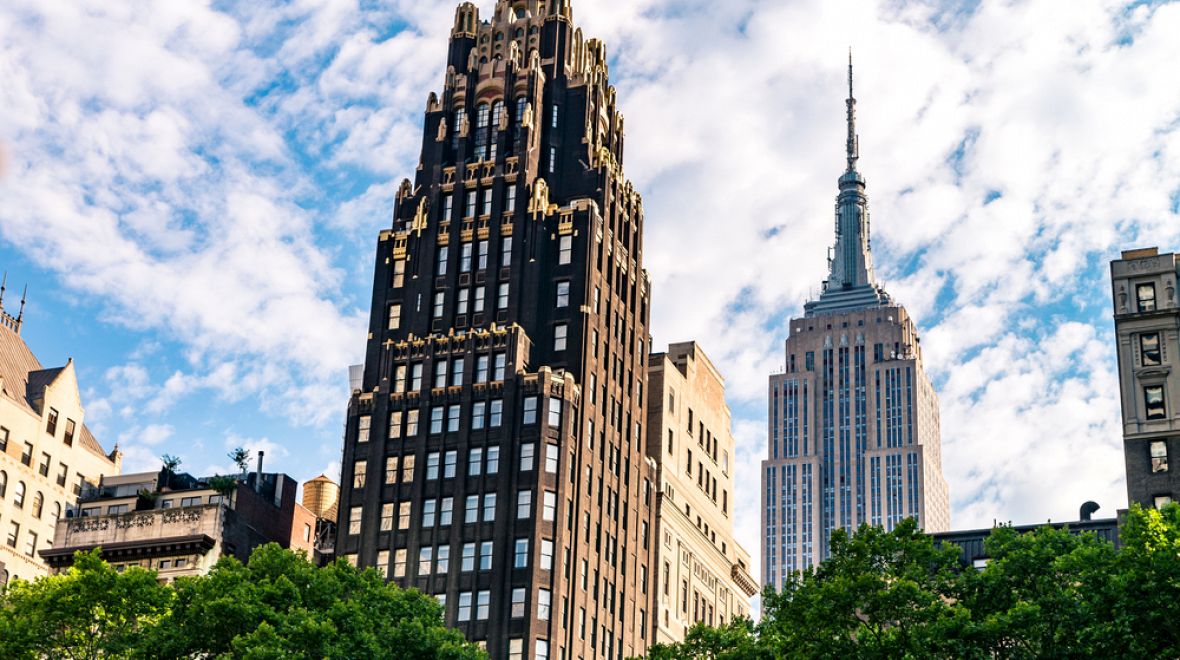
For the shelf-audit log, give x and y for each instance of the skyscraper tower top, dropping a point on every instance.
(851, 283)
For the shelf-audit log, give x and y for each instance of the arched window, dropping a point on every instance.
(499, 37)
(38, 505)
(456, 127)
(482, 139)
(494, 129)
(56, 512)
(3, 483)
(18, 496)
(520, 33)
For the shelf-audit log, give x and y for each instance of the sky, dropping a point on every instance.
(192, 191)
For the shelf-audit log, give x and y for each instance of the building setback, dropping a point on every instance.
(47, 454)
(703, 574)
(494, 449)
(1147, 328)
(853, 422)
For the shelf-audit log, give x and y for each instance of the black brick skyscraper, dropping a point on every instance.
(494, 453)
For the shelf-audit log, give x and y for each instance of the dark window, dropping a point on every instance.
(1149, 348)
(1159, 457)
(3, 438)
(1153, 397)
(810, 364)
(1145, 293)
(51, 425)
(26, 456)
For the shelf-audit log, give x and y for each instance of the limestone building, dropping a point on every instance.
(177, 525)
(702, 573)
(47, 454)
(853, 422)
(1147, 328)
(494, 452)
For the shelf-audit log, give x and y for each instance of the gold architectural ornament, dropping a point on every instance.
(539, 200)
(442, 131)
(527, 120)
(514, 54)
(404, 190)
(420, 218)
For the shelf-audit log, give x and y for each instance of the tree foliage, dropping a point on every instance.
(1045, 594)
(277, 606)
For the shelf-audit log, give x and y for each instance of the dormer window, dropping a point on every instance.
(1145, 294)
(51, 425)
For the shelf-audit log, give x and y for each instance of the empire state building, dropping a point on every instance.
(853, 432)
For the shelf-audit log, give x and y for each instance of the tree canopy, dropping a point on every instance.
(279, 605)
(1044, 594)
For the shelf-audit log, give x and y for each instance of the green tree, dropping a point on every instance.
(279, 605)
(733, 641)
(90, 612)
(1147, 583)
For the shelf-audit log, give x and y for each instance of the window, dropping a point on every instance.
(43, 468)
(499, 370)
(18, 495)
(38, 505)
(3, 438)
(553, 121)
(425, 560)
(516, 648)
(524, 504)
(436, 419)
(358, 474)
(489, 507)
(563, 294)
(448, 207)
(51, 424)
(408, 469)
(481, 369)
(395, 317)
(520, 556)
(1149, 349)
(26, 456)
(395, 425)
(465, 258)
(485, 556)
(399, 273)
(506, 242)
(403, 515)
(543, 650)
(68, 438)
(483, 602)
(565, 250)
(429, 513)
(440, 301)
(546, 555)
(468, 563)
(383, 563)
(502, 296)
(496, 417)
(441, 260)
(1161, 501)
(190, 501)
(482, 259)
(399, 379)
(471, 513)
(1145, 293)
(411, 423)
(13, 533)
(415, 376)
(487, 202)
(530, 411)
(551, 458)
(517, 603)
(509, 205)
(432, 461)
(478, 413)
(475, 462)
(1154, 399)
(399, 562)
(549, 508)
(1159, 457)
(464, 613)
(462, 302)
(440, 373)
(453, 413)
(543, 604)
(354, 521)
(552, 159)
(527, 455)
(560, 332)
(554, 412)
(446, 512)
(442, 560)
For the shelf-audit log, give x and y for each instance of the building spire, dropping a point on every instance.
(853, 145)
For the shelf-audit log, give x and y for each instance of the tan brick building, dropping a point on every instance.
(47, 454)
(703, 573)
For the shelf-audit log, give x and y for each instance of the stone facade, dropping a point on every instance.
(703, 574)
(853, 433)
(47, 454)
(1147, 328)
(494, 449)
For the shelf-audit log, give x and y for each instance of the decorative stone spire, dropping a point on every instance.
(851, 283)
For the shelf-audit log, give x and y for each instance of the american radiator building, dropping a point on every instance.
(853, 422)
(494, 453)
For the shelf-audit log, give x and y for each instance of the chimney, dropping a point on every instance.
(258, 477)
(1087, 511)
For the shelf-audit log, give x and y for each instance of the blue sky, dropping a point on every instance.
(192, 191)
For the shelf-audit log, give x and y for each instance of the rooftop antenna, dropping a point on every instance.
(3, 287)
(853, 146)
(20, 317)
